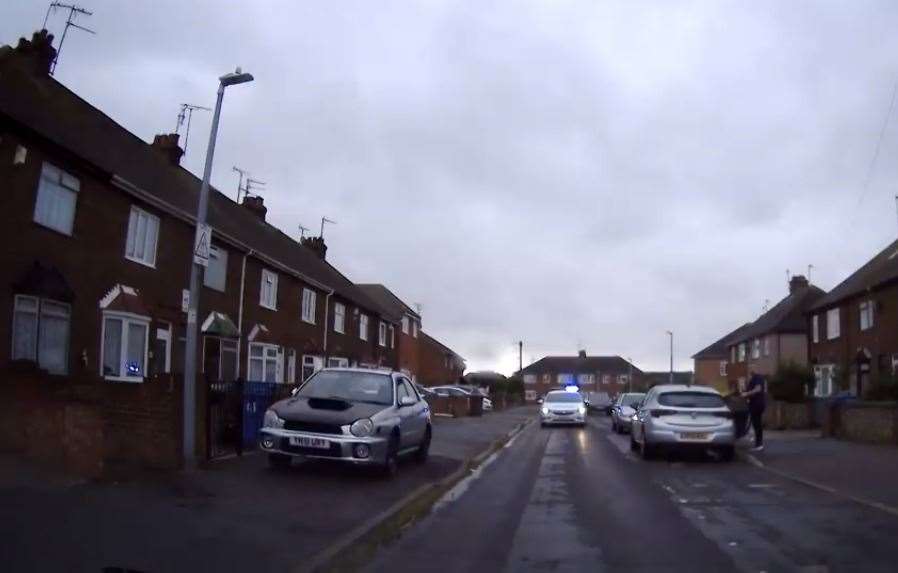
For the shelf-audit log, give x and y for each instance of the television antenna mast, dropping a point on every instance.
(323, 221)
(187, 113)
(302, 231)
(74, 11)
(247, 185)
(810, 268)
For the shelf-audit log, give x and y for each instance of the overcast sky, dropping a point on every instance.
(570, 174)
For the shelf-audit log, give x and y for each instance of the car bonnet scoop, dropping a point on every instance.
(329, 404)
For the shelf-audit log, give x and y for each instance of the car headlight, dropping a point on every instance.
(272, 420)
(362, 428)
(633, 418)
(582, 410)
(545, 411)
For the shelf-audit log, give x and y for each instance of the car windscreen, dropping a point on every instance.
(350, 386)
(631, 399)
(564, 397)
(691, 400)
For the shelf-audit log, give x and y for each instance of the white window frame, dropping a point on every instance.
(315, 363)
(723, 368)
(127, 319)
(833, 328)
(308, 305)
(218, 257)
(54, 187)
(382, 334)
(414, 329)
(767, 345)
(268, 285)
(742, 352)
(825, 377)
(756, 348)
(39, 314)
(150, 246)
(363, 326)
(269, 352)
(404, 325)
(865, 312)
(529, 379)
(340, 317)
(337, 362)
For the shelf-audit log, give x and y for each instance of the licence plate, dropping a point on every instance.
(693, 436)
(305, 442)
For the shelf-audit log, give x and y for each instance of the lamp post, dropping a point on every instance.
(234, 78)
(669, 333)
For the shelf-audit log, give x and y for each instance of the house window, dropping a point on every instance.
(815, 328)
(41, 333)
(824, 375)
(163, 347)
(215, 275)
(308, 305)
(392, 337)
(404, 325)
(125, 346)
(363, 326)
(832, 323)
(57, 194)
(622, 379)
(866, 314)
(382, 333)
(339, 318)
(264, 362)
(268, 293)
(415, 329)
(311, 365)
(336, 362)
(547, 378)
(742, 352)
(586, 379)
(143, 234)
(606, 379)
(767, 346)
(529, 378)
(756, 348)
(723, 367)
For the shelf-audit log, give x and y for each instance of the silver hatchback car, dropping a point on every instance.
(676, 417)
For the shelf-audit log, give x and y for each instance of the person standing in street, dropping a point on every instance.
(756, 394)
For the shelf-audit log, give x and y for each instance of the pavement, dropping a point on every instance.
(572, 499)
(238, 515)
(864, 472)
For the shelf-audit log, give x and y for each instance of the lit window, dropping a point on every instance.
(264, 362)
(832, 323)
(308, 305)
(339, 318)
(215, 275)
(866, 314)
(125, 347)
(363, 326)
(143, 235)
(41, 333)
(268, 293)
(57, 194)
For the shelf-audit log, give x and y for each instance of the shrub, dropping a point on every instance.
(791, 383)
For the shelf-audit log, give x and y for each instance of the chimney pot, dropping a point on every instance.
(40, 50)
(256, 205)
(316, 245)
(582, 354)
(167, 145)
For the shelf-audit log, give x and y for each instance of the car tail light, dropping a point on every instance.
(659, 413)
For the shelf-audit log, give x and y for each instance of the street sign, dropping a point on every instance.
(185, 300)
(201, 244)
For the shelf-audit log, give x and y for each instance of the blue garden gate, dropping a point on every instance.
(257, 397)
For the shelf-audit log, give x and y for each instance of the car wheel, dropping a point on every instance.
(279, 461)
(424, 449)
(727, 453)
(391, 461)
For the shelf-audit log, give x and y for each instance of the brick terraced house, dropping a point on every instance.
(854, 328)
(609, 374)
(439, 364)
(407, 339)
(712, 362)
(99, 228)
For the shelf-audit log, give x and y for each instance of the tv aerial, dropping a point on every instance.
(186, 113)
(74, 12)
(247, 186)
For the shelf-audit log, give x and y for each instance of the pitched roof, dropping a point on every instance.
(39, 103)
(719, 348)
(575, 364)
(880, 269)
(427, 338)
(788, 316)
(391, 304)
(650, 379)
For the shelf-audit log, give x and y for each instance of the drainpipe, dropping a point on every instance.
(240, 310)
(327, 299)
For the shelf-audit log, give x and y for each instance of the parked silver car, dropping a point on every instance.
(365, 417)
(560, 407)
(623, 410)
(680, 417)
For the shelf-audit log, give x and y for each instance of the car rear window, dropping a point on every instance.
(564, 397)
(691, 400)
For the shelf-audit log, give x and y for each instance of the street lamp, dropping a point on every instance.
(234, 78)
(669, 333)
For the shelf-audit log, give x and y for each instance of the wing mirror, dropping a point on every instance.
(540, 401)
(406, 401)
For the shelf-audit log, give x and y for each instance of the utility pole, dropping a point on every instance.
(670, 333)
(520, 357)
(629, 375)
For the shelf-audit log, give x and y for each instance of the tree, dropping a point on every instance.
(792, 383)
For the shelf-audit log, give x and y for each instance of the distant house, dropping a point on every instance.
(778, 336)
(711, 363)
(853, 330)
(438, 364)
(610, 374)
(650, 379)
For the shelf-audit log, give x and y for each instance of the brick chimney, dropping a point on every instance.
(256, 205)
(581, 354)
(316, 245)
(798, 282)
(167, 145)
(39, 50)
